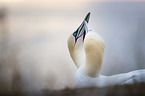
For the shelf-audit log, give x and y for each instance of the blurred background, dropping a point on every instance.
(34, 33)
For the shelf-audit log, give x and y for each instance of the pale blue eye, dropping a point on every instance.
(75, 34)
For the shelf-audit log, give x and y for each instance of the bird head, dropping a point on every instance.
(76, 40)
(82, 29)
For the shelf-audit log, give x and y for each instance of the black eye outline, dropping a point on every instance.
(82, 32)
(75, 34)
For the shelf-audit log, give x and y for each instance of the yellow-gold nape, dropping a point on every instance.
(86, 49)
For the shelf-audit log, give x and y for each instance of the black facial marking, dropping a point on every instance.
(75, 34)
(84, 35)
(81, 31)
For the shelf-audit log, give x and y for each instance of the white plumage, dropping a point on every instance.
(87, 51)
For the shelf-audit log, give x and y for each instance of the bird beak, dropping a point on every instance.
(87, 21)
(87, 17)
(83, 28)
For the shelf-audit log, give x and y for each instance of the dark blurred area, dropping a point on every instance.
(9, 69)
(122, 90)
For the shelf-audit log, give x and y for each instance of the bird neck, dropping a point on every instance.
(94, 52)
(79, 53)
(93, 63)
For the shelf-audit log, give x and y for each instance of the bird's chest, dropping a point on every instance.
(82, 80)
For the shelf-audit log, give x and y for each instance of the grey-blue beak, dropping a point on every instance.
(82, 29)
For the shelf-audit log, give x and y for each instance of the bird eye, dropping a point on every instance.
(75, 34)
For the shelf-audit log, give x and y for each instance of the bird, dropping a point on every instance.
(86, 49)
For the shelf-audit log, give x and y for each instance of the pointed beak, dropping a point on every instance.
(87, 17)
(82, 29)
(87, 21)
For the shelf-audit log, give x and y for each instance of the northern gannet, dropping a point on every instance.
(87, 51)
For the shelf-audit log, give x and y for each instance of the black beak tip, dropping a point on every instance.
(87, 17)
